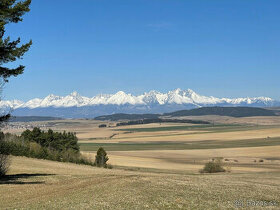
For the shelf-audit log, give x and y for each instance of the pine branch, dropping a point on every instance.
(10, 13)
(9, 51)
(6, 72)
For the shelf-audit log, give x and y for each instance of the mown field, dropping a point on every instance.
(156, 166)
(41, 184)
(132, 146)
(210, 144)
(189, 147)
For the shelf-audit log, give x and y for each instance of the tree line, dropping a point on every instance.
(159, 120)
(49, 145)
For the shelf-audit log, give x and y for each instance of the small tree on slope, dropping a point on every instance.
(101, 158)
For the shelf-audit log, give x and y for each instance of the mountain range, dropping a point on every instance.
(77, 106)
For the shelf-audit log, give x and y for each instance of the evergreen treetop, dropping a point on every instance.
(11, 11)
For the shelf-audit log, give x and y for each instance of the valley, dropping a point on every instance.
(149, 157)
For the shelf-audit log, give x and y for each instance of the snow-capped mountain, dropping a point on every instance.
(152, 101)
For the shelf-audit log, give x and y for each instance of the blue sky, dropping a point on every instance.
(215, 47)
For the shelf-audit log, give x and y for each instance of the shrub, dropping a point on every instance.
(101, 158)
(213, 166)
(261, 160)
(4, 164)
(102, 126)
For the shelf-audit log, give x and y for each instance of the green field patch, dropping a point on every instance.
(207, 144)
(181, 128)
(221, 128)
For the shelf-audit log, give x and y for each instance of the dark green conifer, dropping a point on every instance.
(11, 11)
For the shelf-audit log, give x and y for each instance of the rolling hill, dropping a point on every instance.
(221, 111)
(224, 111)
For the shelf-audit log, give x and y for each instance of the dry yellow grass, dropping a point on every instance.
(152, 134)
(87, 130)
(185, 136)
(259, 120)
(150, 179)
(192, 160)
(155, 125)
(40, 184)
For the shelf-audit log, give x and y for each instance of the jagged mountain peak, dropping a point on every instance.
(153, 97)
(75, 94)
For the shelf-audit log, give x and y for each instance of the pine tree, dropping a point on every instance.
(11, 11)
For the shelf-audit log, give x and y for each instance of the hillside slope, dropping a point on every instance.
(41, 184)
(221, 111)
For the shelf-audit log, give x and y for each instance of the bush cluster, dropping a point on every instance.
(48, 145)
(102, 126)
(52, 140)
(213, 166)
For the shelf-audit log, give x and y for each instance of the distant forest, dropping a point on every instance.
(221, 111)
(158, 120)
(225, 111)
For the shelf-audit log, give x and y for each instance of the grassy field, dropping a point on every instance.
(178, 128)
(156, 166)
(40, 184)
(208, 144)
